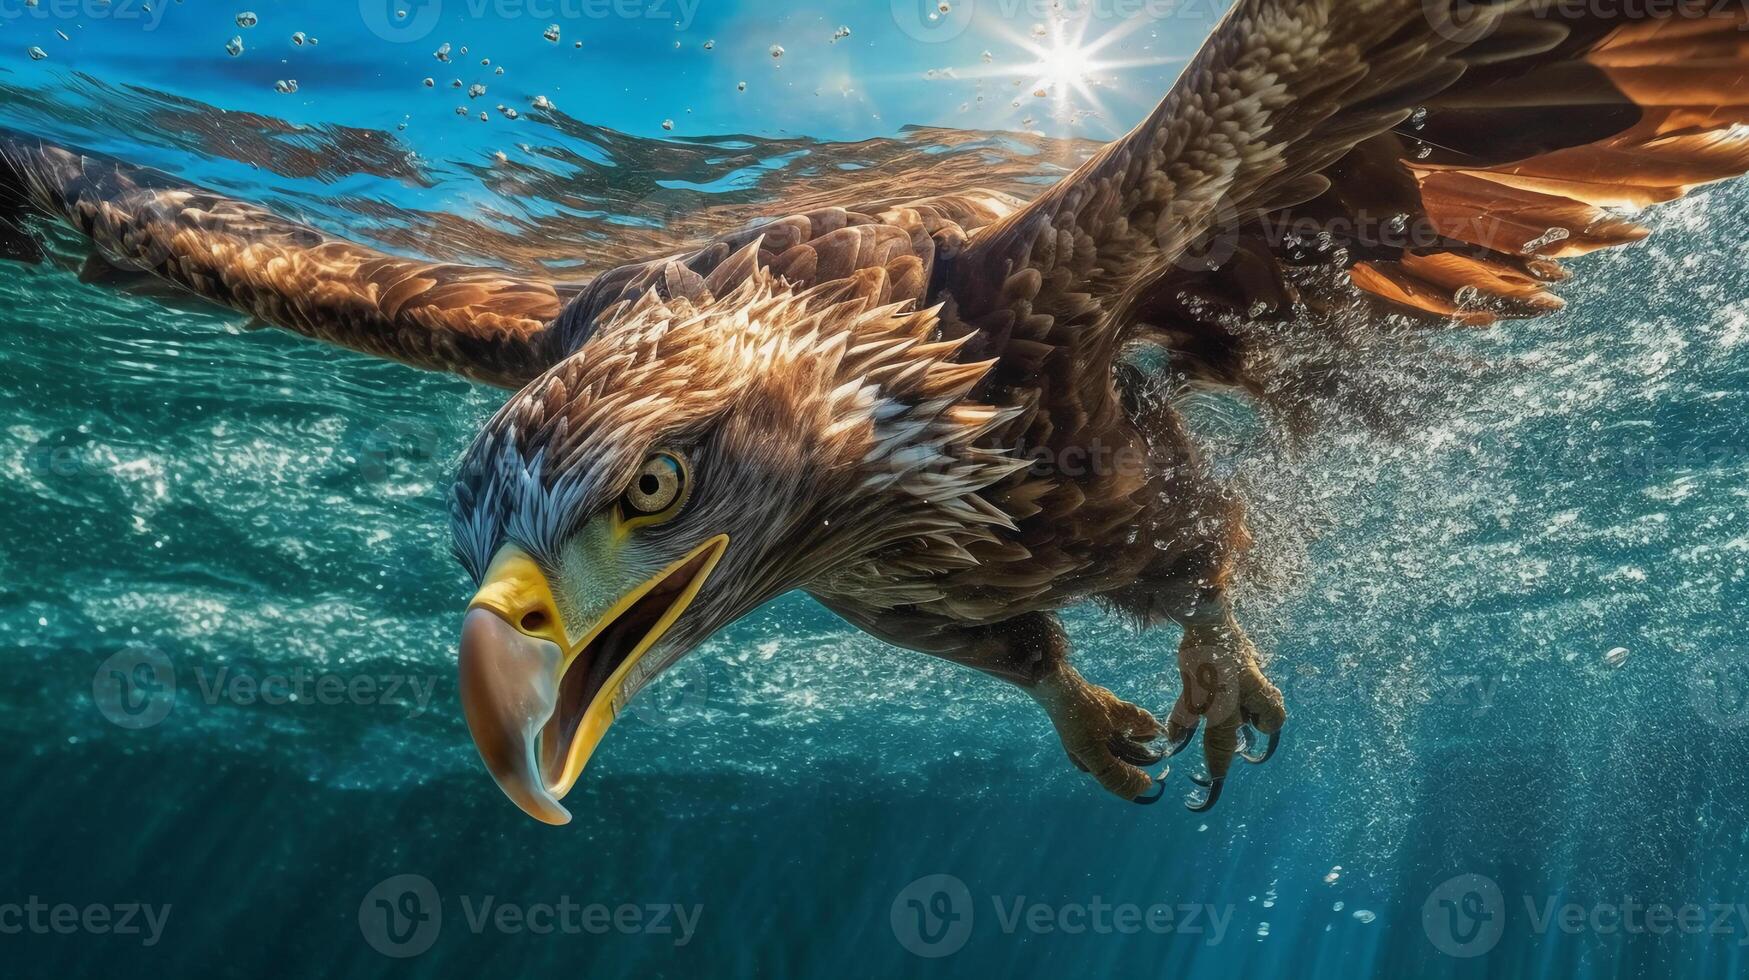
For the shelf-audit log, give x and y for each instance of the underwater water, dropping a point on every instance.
(1510, 635)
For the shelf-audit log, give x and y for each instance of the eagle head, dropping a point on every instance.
(695, 458)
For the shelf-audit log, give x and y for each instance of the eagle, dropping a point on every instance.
(937, 416)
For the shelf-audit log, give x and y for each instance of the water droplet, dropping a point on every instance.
(247, 19)
(442, 52)
(840, 34)
(298, 38)
(668, 124)
(543, 103)
(988, 57)
(1338, 905)
(776, 51)
(234, 46)
(551, 33)
(476, 90)
(944, 7)
(1616, 657)
(36, 54)
(286, 86)
(741, 87)
(710, 45)
(1335, 873)
(431, 83)
(1363, 916)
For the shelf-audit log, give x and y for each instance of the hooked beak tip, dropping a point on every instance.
(508, 692)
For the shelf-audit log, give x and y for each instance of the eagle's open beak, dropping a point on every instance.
(537, 703)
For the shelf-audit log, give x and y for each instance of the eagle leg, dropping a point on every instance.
(1224, 685)
(1104, 735)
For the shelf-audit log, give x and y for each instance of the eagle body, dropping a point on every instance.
(947, 418)
(1111, 502)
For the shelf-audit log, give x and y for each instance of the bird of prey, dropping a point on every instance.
(930, 414)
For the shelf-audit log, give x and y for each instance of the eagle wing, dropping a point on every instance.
(144, 226)
(1430, 158)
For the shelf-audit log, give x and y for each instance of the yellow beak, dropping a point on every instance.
(537, 701)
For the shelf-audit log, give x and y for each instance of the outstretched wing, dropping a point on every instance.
(145, 226)
(1425, 157)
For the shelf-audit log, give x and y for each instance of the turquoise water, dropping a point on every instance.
(1467, 769)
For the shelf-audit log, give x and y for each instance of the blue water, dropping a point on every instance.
(241, 506)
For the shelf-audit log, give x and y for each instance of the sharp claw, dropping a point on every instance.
(1178, 743)
(1138, 752)
(1248, 739)
(1156, 792)
(1209, 797)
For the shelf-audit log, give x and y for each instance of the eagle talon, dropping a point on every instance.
(1248, 739)
(1138, 751)
(1156, 791)
(1179, 742)
(1208, 799)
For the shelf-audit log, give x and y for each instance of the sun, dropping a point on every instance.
(1059, 61)
(1066, 67)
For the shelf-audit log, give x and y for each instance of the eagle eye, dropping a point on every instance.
(658, 491)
